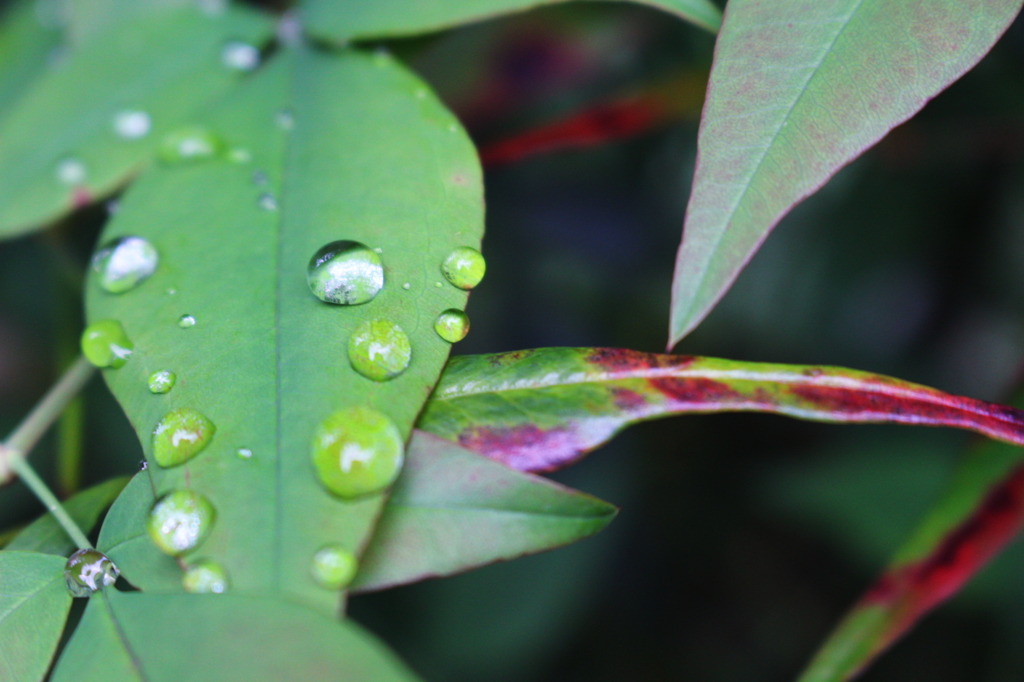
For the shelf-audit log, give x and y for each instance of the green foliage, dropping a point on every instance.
(33, 605)
(45, 534)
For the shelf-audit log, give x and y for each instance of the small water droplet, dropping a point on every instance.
(244, 453)
(132, 125)
(205, 577)
(464, 267)
(438, 285)
(421, 93)
(285, 119)
(88, 571)
(259, 178)
(345, 273)
(407, 286)
(161, 381)
(381, 56)
(122, 264)
(186, 321)
(240, 155)
(452, 325)
(452, 128)
(240, 56)
(334, 567)
(105, 344)
(189, 144)
(180, 521)
(172, 291)
(113, 206)
(143, 465)
(267, 202)
(181, 435)
(379, 349)
(377, 250)
(357, 451)
(70, 171)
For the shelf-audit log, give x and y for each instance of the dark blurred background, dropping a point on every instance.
(742, 538)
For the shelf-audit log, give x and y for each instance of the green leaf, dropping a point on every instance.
(25, 46)
(123, 538)
(453, 510)
(798, 89)
(58, 144)
(342, 146)
(539, 410)
(46, 535)
(342, 20)
(135, 637)
(982, 510)
(34, 604)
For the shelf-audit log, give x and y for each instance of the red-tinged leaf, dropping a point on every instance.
(540, 410)
(622, 117)
(798, 89)
(979, 514)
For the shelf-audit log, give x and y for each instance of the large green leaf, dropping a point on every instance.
(34, 604)
(539, 410)
(46, 535)
(133, 637)
(123, 538)
(58, 145)
(343, 20)
(343, 146)
(26, 44)
(453, 510)
(799, 88)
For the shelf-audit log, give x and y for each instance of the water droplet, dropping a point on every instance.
(452, 325)
(453, 128)
(143, 465)
(105, 344)
(357, 451)
(345, 273)
(285, 119)
(181, 435)
(186, 321)
(267, 202)
(407, 286)
(334, 567)
(162, 381)
(421, 93)
(205, 577)
(379, 349)
(189, 144)
(438, 285)
(240, 155)
(132, 125)
(172, 291)
(113, 206)
(244, 453)
(180, 521)
(377, 250)
(240, 56)
(88, 571)
(70, 171)
(124, 263)
(259, 178)
(464, 267)
(213, 8)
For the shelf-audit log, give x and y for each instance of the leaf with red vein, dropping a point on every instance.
(540, 410)
(980, 513)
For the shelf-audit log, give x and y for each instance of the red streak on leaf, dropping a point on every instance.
(628, 401)
(698, 391)
(524, 447)
(623, 361)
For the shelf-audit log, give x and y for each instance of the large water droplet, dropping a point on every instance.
(162, 381)
(379, 349)
(189, 144)
(240, 56)
(334, 567)
(122, 264)
(131, 125)
(205, 577)
(345, 273)
(464, 267)
(181, 435)
(88, 571)
(105, 344)
(357, 451)
(452, 325)
(70, 171)
(186, 321)
(180, 521)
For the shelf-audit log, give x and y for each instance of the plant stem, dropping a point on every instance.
(21, 441)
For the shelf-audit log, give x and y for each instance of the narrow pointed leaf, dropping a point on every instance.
(980, 513)
(798, 89)
(46, 535)
(123, 538)
(342, 20)
(540, 410)
(342, 146)
(454, 510)
(60, 145)
(133, 637)
(25, 47)
(34, 604)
